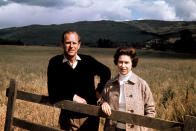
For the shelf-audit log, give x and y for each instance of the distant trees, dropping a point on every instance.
(10, 42)
(105, 43)
(159, 44)
(186, 44)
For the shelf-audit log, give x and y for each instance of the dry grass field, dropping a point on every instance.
(171, 77)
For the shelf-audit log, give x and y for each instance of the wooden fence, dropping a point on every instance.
(12, 93)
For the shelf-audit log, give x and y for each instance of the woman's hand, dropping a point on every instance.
(106, 108)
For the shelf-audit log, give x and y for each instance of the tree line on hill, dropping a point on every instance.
(186, 43)
(107, 43)
(10, 42)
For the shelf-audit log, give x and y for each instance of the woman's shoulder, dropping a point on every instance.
(139, 79)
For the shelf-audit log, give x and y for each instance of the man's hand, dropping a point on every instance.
(106, 108)
(98, 95)
(79, 99)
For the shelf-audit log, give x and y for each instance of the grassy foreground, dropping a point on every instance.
(170, 76)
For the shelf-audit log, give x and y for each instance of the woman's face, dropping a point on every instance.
(124, 64)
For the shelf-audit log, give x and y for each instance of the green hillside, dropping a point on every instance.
(120, 33)
(163, 27)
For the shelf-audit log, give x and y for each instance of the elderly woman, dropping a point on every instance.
(126, 92)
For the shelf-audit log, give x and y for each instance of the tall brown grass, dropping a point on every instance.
(171, 77)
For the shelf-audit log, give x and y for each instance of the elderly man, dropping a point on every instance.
(71, 77)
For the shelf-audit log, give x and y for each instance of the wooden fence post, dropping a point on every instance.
(190, 123)
(10, 105)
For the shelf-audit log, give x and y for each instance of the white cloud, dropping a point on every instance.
(111, 10)
(17, 15)
(23, 12)
(185, 9)
(158, 9)
(83, 3)
(45, 3)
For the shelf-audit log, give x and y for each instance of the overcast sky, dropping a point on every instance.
(14, 13)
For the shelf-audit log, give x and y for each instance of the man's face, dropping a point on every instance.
(71, 44)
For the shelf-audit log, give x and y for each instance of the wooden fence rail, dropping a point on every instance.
(12, 93)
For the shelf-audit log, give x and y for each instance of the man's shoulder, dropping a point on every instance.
(56, 59)
(84, 56)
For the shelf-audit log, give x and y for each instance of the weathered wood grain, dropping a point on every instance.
(190, 123)
(10, 105)
(32, 126)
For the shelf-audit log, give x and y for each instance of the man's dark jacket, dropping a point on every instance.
(64, 81)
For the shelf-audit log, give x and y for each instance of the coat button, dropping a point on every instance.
(131, 126)
(131, 111)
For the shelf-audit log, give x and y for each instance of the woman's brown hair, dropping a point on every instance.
(126, 51)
